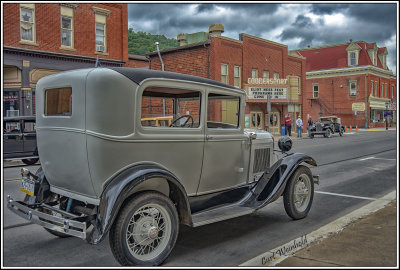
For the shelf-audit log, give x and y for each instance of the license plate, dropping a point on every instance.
(28, 186)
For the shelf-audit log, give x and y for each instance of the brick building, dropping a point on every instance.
(137, 61)
(42, 38)
(259, 66)
(350, 80)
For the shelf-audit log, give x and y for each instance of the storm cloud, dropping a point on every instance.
(294, 24)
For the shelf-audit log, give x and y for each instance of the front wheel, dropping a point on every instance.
(341, 132)
(145, 230)
(299, 193)
(328, 133)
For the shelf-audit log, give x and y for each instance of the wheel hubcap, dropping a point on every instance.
(148, 232)
(302, 193)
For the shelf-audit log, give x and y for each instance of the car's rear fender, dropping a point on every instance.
(125, 185)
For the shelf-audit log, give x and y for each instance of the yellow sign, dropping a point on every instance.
(358, 106)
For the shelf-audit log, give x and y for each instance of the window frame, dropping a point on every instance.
(386, 92)
(276, 75)
(33, 23)
(228, 97)
(313, 90)
(46, 91)
(70, 30)
(266, 72)
(372, 88)
(104, 36)
(175, 107)
(239, 77)
(353, 59)
(376, 88)
(226, 76)
(351, 90)
(254, 73)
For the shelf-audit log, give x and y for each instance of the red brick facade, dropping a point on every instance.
(204, 59)
(329, 69)
(48, 33)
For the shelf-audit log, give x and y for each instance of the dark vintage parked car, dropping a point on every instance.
(106, 170)
(19, 139)
(327, 125)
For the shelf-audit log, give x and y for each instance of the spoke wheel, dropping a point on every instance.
(299, 193)
(145, 230)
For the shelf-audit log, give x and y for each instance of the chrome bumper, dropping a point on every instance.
(55, 223)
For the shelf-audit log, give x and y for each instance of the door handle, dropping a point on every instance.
(208, 137)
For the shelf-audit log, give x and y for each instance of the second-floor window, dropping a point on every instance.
(66, 31)
(254, 73)
(276, 75)
(353, 88)
(376, 89)
(372, 88)
(224, 73)
(382, 90)
(237, 81)
(315, 90)
(27, 22)
(266, 74)
(100, 37)
(386, 94)
(392, 91)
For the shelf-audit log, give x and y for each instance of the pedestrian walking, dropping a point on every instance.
(288, 125)
(310, 124)
(299, 124)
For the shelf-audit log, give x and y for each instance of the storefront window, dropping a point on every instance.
(376, 116)
(11, 103)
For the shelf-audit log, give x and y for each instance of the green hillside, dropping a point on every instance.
(141, 43)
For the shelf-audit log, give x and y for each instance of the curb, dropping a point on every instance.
(279, 254)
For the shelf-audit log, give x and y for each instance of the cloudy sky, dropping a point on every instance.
(294, 24)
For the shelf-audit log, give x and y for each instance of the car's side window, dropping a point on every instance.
(170, 107)
(223, 111)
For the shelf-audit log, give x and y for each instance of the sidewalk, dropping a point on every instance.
(368, 242)
(305, 134)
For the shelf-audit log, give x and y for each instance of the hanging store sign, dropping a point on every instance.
(263, 92)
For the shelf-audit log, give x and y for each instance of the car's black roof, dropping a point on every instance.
(138, 75)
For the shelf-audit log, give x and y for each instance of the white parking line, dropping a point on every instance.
(377, 158)
(278, 254)
(344, 195)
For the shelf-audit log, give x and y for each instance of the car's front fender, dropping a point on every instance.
(271, 187)
(122, 187)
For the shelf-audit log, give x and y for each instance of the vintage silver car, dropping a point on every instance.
(107, 170)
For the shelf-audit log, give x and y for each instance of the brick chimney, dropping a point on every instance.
(182, 39)
(215, 30)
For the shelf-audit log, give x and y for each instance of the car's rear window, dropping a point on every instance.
(58, 101)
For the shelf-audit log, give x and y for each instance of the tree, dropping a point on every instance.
(141, 42)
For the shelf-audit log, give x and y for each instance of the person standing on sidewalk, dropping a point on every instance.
(299, 124)
(288, 124)
(310, 124)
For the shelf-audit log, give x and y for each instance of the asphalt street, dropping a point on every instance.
(354, 169)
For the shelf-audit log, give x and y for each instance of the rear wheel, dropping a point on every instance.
(341, 132)
(145, 230)
(299, 193)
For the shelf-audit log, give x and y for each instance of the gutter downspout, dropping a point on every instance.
(208, 61)
(159, 55)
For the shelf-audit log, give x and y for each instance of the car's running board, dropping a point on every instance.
(220, 214)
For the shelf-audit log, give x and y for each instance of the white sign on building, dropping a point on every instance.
(263, 92)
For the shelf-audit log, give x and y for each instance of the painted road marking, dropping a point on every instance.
(276, 255)
(11, 180)
(344, 195)
(377, 158)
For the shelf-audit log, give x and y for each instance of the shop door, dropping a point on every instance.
(274, 123)
(256, 120)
